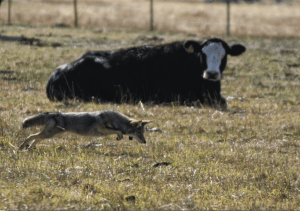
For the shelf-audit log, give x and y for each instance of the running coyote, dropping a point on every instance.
(99, 123)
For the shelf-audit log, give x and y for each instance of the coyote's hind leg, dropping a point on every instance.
(49, 131)
(28, 139)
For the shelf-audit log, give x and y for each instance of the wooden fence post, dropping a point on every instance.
(9, 6)
(151, 16)
(75, 14)
(228, 18)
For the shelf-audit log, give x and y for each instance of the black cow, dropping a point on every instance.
(180, 71)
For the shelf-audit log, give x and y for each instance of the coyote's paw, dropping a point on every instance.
(27, 146)
(119, 137)
(22, 146)
(30, 148)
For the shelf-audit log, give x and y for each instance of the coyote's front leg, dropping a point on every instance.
(108, 131)
(120, 136)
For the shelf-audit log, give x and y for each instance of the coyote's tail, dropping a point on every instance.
(39, 119)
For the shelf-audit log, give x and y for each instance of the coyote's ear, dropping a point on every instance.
(136, 123)
(144, 122)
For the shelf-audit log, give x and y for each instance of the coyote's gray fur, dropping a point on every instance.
(99, 123)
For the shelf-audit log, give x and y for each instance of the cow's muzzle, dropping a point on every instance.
(212, 75)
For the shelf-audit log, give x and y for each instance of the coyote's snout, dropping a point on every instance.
(100, 123)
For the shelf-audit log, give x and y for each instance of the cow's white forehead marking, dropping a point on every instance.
(214, 55)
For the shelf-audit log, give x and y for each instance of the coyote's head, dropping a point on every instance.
(136, 130)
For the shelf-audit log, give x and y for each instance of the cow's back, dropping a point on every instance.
(158, 73)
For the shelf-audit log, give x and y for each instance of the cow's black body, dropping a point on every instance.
(163, 73)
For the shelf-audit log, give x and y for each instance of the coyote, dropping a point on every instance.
(100, 123)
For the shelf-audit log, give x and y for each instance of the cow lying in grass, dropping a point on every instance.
(187, 72)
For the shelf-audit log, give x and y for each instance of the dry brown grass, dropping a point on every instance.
(198, 18)
(244, 158)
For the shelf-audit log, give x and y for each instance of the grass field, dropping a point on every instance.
(244, 158)
(276, 20)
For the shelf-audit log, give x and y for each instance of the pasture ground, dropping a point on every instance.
(244, 158)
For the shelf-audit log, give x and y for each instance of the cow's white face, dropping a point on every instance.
(214, 52)
(212, 55)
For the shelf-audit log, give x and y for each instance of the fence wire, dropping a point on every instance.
(203, 17)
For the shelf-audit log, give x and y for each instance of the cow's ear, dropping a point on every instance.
(237, 49)
(192, 46)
